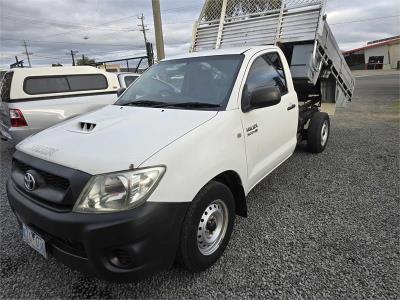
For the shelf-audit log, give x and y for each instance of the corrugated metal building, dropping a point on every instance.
(382, 54)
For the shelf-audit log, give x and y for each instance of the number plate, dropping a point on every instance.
(34, 240)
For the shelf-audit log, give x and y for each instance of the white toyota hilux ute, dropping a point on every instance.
(125, 191)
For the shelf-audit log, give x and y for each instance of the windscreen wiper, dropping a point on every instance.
(193, 104)
(150, 103)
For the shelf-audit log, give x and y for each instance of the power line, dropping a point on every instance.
(66, 43)
(364, 20)
(68, 24)
(166, 10)
(105, 23)
(96, 26)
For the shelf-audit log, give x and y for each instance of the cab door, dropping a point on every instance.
(270, 130)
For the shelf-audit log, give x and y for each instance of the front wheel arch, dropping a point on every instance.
(232, 180)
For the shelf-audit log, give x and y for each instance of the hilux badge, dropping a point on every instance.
(29, 181)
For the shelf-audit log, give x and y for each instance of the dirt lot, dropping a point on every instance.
(323, 226)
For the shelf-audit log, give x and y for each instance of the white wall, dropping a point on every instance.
(394, 51)
(379, 51)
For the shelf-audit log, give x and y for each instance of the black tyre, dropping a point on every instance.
(207, 227)
(318, 132)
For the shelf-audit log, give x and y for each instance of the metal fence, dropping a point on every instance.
(230, 23)
(239, 8)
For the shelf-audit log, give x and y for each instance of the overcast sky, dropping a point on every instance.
(107, 29)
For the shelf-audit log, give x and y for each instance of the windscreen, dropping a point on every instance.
(198, 82)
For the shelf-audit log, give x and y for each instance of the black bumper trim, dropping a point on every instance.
(150, 234)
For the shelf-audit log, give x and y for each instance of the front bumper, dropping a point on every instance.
(120, 246)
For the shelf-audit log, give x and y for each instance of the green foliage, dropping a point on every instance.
(84, 61)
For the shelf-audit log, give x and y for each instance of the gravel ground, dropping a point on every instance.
(320, 226)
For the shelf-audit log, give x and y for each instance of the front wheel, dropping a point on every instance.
(318, 132)
(207, 227)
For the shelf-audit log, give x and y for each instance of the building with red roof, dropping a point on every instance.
(380, 54)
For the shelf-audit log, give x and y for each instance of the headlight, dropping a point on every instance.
(118, 191)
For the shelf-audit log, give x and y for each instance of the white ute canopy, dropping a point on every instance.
(298, 27)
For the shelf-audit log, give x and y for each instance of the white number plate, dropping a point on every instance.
(34, 240)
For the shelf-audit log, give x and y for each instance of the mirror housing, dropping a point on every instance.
(265, 96)
(120, 91)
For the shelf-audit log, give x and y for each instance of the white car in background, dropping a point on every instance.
(33, 99)
(127, 78)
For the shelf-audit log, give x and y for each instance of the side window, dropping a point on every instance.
(267, 71)
(46, 85)
(64, 84)
(129, 80)
(87, 82)
(6, 86)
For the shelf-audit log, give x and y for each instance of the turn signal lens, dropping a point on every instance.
(17, 118)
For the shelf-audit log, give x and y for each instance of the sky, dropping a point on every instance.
(108, 29)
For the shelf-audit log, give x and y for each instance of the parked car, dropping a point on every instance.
(33, 99)
(127, 78)
(124, 191)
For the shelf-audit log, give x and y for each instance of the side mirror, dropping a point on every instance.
(120, 91)
(260, 97)
(264, 97)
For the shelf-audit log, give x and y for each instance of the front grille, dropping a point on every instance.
(50, 179)
(57, 186)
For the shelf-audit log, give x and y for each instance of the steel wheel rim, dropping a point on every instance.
(208, 237)
(324, 133)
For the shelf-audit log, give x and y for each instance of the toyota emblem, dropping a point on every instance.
(29, 181)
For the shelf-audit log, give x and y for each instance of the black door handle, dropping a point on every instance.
(291, 107)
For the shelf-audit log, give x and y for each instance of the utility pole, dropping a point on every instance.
(73, 52)
(158, 29)
(27, 54)
(143, 28)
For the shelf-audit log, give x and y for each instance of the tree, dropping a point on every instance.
(84, 61)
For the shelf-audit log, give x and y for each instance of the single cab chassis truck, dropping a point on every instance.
(126, 190)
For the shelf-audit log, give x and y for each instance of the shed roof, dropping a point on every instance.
(395, 40)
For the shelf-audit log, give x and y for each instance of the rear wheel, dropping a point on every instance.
(318, 132)
(207, 227)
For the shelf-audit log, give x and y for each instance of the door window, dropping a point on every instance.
(266, 71)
